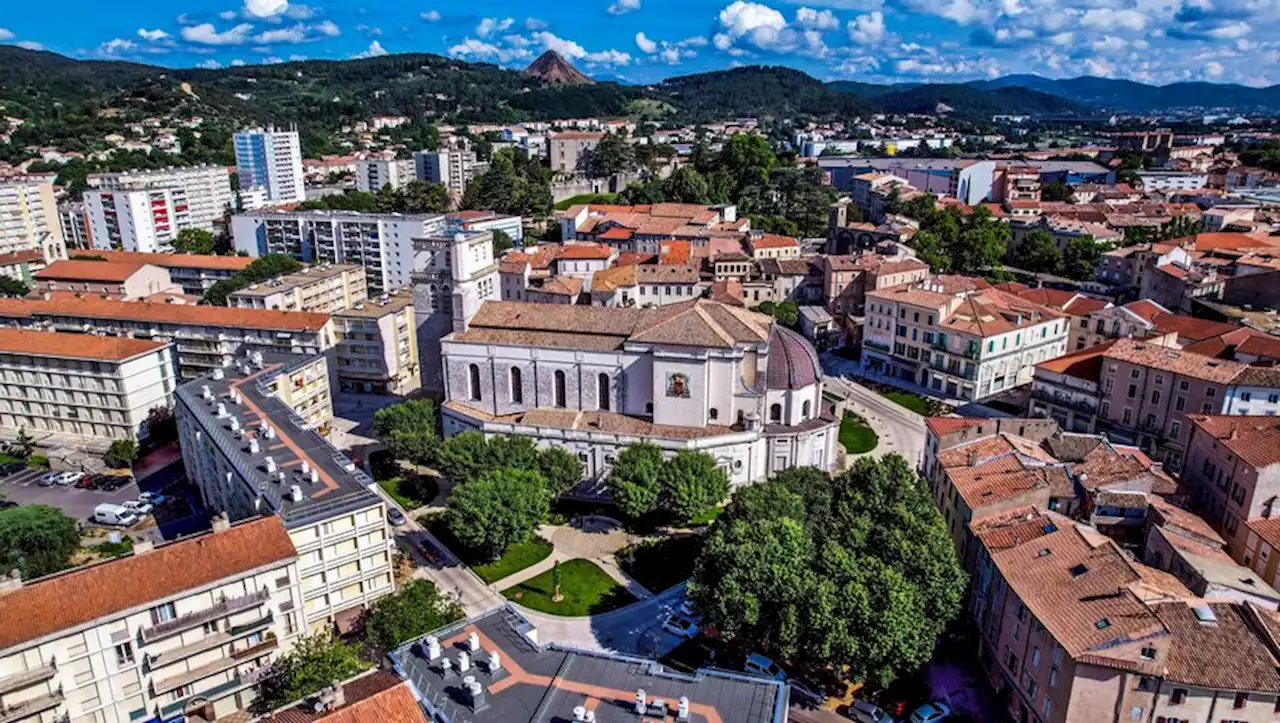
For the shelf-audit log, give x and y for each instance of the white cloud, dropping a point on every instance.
(1100, 67)
(1108, 19)
(6, 34)
(265, 8)
(294, 34)
(272, 60)
(328, 28)
(368, 30)
(695, 41)
(209, 64)
(961, 12)
(609, 57)
(1213, 69)
(30, 45)
(206, 34)
(867, 29)
(375, 50)
(116, 46)
(742, 18)
(154, 36)
(296, 58)
(431, 16)
(567, 48)
(1062, 38)
(480, 50)
(621, 7)
(1109, 45)
(490, 26)
(763, 28)
(645, 44)
(817, 19)
(237, 63)
(299, 12)
(535, 24)
(517, 41)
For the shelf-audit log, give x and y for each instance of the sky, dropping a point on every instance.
(642, 41)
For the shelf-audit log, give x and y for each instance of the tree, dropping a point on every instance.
(36, 540)
(194, 241)
(1080, 258)
(635, 483)
(501, 242)
(787, 313)
(10, 286)
(414, 415)
(498, 509)
(611, 156)
(422, 197)
(463, 457)
(1037, 253)
(23, 446)
(315, 662)
(930, 250)
(981, 244)
(561, 469)
(692, 483)
(267, 267)
(856, 573)
(686, 185)
(414, 610)
(1055, 192)
(161, 426)
(420, 448)
(121, 453)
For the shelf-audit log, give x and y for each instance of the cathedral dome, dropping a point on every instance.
(793, 363)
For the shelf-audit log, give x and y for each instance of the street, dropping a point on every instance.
(899, 429)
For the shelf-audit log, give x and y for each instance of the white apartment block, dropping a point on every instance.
(956, 340)
(380, 242)
(141, 220)
(378, 346)
(185, 628)
(271, 160)
(374, 173)
(74, 390)
(74, 222)
(323, 289)
(452, 169)
(200, 194)
(29, 215)
(250, 454)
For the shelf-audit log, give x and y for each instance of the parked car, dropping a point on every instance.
(865, 712)
(141, 509)
(111, 483)
(69, 478)
(154, 498)
(757, 664)
(49, 479)
(804, 694)
(686, 608)
(116, 515)
(395, 516)
(9, 468)
(931, 712)
(680, 625)
(6, 504)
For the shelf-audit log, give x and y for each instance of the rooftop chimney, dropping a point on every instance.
(253, 446)
(315, 477)
(220, 523)
(295, 493)
(222, 411)
(306, 468)
(270, 464)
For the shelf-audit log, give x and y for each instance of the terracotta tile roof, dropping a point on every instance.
(991, 311)
(728, 291)
(1225, 240)
(170, 261)
(617, 233)
(1015, 527)
(942, 426)
(1145, 309)
(593, 421)
(578, 136)
(1084, 364)
(1105, 466)
(1224, 655)
(613, 278)
(27, 256)
(75, 597)
(1079, 593)
(1168, 514)
(995, 482)
(1255, 440)
(100, 271)
(1267, 528)
(585, 251)
(786, 267)
(976, 452)
(94, 307)
(377, 697)
(774, 241)
(666, 274)
(1175, 361)
(560, 286)
(75, 346)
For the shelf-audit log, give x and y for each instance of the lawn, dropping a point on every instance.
(856, 435)
(516, 558)
(914, 402)
(584, 198)
(586, 588)
(660, 564)
(410, 492)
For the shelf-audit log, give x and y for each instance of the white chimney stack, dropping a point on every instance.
(433, 647)
(270, 463)
(306, 468)
(682, 712)
(222, 411)
(641, 702)
(473, 641)
(464, 662)
(315, 477)
(579, 713)
(295, 493)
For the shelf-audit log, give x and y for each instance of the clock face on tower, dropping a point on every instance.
(678, 385)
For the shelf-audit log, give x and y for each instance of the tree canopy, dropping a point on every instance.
(643, 482)
(856, 572)
(267, 267)
(409, 430)
(951, 242)
(37, 540)
(635, 482)
(315, 662)
(1038, 253)
(414, 610)
(412, 197)
(497, 509)
(514, 184)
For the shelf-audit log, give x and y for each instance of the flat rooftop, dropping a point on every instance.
(305, 277)
(543, 684)
(340, 484)
(379, 307)
(892, 163)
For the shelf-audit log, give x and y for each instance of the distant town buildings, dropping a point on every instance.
(30, 216)
(270, 161)
(453, 169)
(374, 174)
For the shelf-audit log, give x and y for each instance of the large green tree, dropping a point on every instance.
(422, 197)
(463, 457)
(635, 482)
(414, 610)
(611, 156)
(560, 468)
(692, 483)
(195, 241)
(1037, 253)
(414, 415)
(1080, 258)
(686, 185)
(36, 540)
(856, 573)
(498, 509)
(315, 662)
(267, 267)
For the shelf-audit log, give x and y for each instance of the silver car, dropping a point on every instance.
(865, 712)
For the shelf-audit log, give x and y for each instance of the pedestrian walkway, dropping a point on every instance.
(587, 538)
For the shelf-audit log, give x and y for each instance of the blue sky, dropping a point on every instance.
(645, 40)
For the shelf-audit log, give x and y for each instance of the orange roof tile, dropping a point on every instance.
(100, 271)
(95, 307)
(75, 346)
(376, 697)
(585, 251)
(171, 261)
(942, 426)
(774, 241)
(1254, 439)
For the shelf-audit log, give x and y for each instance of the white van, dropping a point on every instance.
(109, 514)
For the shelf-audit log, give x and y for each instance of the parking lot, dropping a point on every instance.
(76, 503)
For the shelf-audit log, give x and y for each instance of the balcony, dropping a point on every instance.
(210, 642)
(160, 687)
(18, 681)
(31, 708)
(228, 606)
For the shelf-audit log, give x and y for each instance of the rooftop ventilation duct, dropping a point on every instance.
(295, 493)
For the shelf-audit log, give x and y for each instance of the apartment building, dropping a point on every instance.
(204, 337)
(1147, 391)
(197, 195)
(1233, 474)
(570, 151)
(957, 337)
(29, 215)
(78, 391)
(452, 169)
(187, 628)
(75, 224)
(249, 453)
(474, 221)
(323, 289)
(377, 349)
(847, 279)
(1067, 389)
(118, 279)
(269, 161)
(773, 246)
(140, 220)
(373, 174)
(195, 273)
(22, 265)
(382, 243)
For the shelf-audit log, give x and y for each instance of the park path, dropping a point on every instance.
(592, 538)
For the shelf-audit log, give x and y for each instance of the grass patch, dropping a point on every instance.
(582, 198)
(516, 558)
(707, 516)
(856, 435)
(410, 492)
(660, 564)
(914, 402)
(586, 588)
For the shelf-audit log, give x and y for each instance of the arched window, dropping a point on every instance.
(473, 382)
(775, 413)
(804, 411)
(714, 413)
(602, 391)
(517, 386)
(560, 389)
